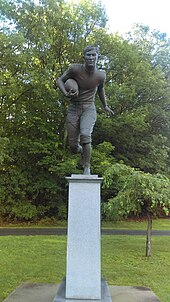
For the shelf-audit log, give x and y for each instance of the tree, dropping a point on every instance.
(139, 94)
(38, 42)
(137, 193)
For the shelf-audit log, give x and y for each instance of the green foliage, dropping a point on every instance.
(101, 158)
(137, 192)
(138, 92)
(3, 150)
(38, 42)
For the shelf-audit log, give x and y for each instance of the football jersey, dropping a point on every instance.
(88, 82)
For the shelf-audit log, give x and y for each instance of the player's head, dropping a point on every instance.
(91, 55)
(91, 48)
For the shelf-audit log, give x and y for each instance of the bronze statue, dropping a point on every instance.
(81, 115)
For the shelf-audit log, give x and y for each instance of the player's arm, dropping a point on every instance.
(102, 97)
(61, 84)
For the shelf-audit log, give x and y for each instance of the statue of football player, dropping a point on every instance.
(80, 82)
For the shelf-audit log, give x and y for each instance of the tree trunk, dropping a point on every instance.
(148, 237)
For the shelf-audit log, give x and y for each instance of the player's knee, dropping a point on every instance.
(85, 139)
(75, 148)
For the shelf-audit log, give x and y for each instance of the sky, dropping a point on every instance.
(124, 13)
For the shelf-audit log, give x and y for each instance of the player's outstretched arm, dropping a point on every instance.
(102, 96)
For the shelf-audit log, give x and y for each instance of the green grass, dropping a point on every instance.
(42, 259)
(158, 224)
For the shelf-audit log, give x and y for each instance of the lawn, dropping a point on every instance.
(136, 224)
(42, 259)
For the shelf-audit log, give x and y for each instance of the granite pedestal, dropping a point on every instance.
(83, 273)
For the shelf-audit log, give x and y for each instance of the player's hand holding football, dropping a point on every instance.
(72, 93)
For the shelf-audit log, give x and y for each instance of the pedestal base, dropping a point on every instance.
(39, 292)
(61, 294)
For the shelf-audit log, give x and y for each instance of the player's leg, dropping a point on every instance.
(73, 129)
(87, 122)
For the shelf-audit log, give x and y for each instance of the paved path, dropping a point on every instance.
(63, 231)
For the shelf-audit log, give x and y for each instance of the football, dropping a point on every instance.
(72, 85)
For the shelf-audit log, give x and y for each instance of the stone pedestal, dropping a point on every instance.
(83, 274)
